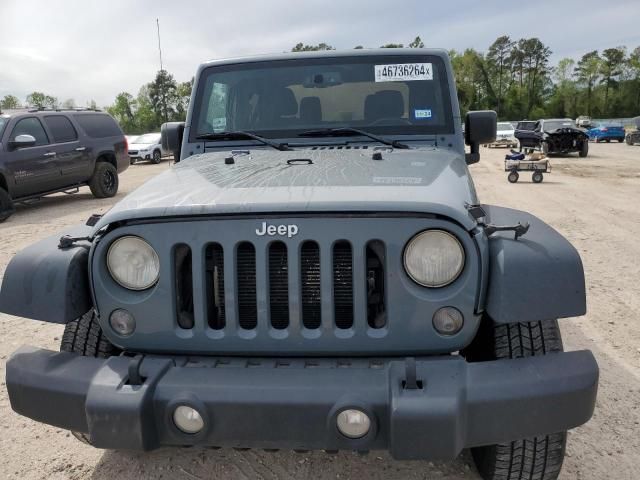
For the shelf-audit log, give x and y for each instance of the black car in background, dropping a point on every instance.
(49, 151)
(634, 136)
(553, 136)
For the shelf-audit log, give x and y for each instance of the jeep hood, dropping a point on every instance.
(422, 180)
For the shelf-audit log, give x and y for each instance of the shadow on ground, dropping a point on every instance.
(199, 463)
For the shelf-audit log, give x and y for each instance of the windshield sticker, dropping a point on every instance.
(403, 72)
(422, 114)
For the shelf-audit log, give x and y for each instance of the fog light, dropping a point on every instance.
(448, 321)
(353, 423)
(122, 322)
(188, 419)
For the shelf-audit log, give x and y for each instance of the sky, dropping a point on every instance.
(88, 49)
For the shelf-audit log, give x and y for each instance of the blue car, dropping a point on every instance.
(607, 132)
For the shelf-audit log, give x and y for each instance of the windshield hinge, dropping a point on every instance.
(519, 229)
(67, 241)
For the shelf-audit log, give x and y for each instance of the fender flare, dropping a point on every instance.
(44, 282)
(537, 277)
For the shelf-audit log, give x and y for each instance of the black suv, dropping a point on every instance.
(50, 151)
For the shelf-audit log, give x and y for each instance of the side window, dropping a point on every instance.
(98, 125)
(30, 126)
(61, 128)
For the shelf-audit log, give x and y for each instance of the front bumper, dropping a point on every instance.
(293, 403)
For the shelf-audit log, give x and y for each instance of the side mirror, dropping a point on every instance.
(479, 127)
(22, 141)
(171, 137)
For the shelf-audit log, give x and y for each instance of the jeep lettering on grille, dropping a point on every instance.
(271, 230)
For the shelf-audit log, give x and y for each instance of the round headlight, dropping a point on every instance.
(133, 263)
(434, 258)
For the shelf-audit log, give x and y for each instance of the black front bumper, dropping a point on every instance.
(293, 403)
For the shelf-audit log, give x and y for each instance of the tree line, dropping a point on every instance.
(515, 77)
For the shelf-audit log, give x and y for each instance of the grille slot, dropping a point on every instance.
(279, 285)
(246, 282)
(343, 284)
(183, 285)
(376, 301)
(310, 284)
(214, 257)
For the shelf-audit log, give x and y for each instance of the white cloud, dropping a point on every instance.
(93, 50)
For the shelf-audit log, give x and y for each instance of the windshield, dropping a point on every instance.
(551, 125)
(147, 138)
(505, 126)
(379, 94)
(3, 122)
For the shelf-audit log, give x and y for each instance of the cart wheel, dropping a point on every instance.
(537, 177)
(513, 177)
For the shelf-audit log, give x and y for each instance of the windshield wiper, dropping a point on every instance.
(342, 131)
(240, 134)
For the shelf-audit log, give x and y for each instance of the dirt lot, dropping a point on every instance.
(595, 202)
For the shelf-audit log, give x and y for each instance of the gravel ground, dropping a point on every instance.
(592, 201)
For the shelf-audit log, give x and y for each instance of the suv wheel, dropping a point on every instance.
(157, 156)
(6, 205)
(584, 149)
(83, 336)
(530, 458)
(104, 182)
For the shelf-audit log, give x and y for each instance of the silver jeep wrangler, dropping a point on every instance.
(316, 272)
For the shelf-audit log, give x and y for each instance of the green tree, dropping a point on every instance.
(358, 47)
(393, 45)
(10, 102)
(588, 72)
(563, 102)
(632, 68)
(611, 69)
(163, 94)
(417, 43)
(183, 93)
(41, 100)
(535, 63)
(300, 47)
(499, 63)
(69, 103)
(123, 110)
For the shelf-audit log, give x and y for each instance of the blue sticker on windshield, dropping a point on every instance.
(422, 114)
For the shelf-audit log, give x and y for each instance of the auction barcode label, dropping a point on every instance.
(403, 72)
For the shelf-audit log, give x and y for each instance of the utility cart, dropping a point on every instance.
(537, 166)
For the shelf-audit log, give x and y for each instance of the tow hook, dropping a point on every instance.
(135, 377)
(411, 381)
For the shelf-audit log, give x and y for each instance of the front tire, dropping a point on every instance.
(83, 336)
(104, 182)
(6, 205)
(584, 150)
(156, 157)
(537, 458)
(513, 177)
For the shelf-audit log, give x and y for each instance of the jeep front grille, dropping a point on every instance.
(308, 283)
(336, 286)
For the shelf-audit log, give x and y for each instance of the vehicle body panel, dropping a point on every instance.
(56, 166)
(270, 403)
(607, 132)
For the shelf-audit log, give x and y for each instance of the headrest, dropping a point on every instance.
(310, 110)
(284, 102)
(384, 104)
